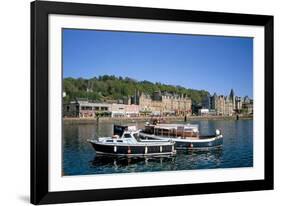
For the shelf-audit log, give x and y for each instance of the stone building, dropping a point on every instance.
(162, 103)
(124, 110)
(228, 105)
(84, 108)
(219, 105)
(247, 105)
(223, 105)
(141, 104)
(238, 104)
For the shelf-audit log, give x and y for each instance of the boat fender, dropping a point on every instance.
(115, 148)
(218, 132)
(145, 151)
(160, 149)
(129, 150)
(191, 145)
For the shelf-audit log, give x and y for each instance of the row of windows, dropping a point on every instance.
(95, 108)
(112, 140)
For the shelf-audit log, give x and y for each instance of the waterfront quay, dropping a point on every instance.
(90, 120)
(161, 104)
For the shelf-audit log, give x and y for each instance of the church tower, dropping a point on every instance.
(232, 96)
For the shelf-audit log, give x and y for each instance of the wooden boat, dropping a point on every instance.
(186, 136)
(125, 141)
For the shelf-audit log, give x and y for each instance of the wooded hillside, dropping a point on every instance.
(112, 88)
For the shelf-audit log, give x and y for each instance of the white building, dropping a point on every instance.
(203, 112)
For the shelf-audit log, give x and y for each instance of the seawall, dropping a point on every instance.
(144, 119)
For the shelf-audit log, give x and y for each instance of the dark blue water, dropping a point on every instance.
(79, 157)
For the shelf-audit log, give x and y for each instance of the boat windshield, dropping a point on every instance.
(136, 135)
(127, 136)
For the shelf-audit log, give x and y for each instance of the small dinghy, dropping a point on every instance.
(126, 141)
(186, 136)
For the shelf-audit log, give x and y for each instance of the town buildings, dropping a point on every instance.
(85, 108)
(163, 103)
(227, 105)
(159, 104)
(140, 104)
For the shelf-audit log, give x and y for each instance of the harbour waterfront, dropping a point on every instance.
(79, 157)
(93, 120)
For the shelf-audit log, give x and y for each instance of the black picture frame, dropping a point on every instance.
(39, 101)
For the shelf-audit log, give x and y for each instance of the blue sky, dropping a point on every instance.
(212, 63)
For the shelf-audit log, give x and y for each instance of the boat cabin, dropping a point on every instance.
(128, 137)
(173, 130)
(120, 129)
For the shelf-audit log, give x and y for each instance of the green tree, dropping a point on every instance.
(111, 87)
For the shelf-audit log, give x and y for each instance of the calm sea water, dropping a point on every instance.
(79, 157)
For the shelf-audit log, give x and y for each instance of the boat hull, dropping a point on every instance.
(182, 144)
(133, 150)
(200, 145)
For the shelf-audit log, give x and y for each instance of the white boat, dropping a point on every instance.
(186, 136)
(129, 144)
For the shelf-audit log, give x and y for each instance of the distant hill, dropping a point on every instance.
(109, 87)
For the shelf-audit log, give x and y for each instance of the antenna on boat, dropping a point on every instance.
(97, 123)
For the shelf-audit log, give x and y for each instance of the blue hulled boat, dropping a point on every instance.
(186, 136)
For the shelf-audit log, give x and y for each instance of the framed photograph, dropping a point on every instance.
(131, 102)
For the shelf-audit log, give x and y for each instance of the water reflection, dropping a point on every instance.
(194, 157)
(80, 158)
(122, 161)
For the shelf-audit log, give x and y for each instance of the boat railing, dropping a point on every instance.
(172, 131)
